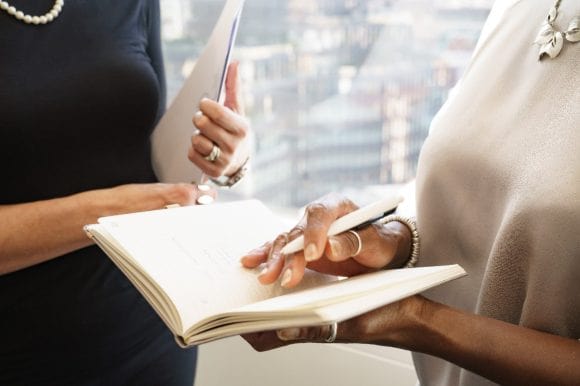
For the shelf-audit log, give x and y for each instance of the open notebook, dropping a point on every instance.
(185, 262)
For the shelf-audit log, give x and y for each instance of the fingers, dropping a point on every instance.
(317, 334)
(223, 117)
(268, 340)
(293, 271)
(185, 194)
(218, 125)
(233, 99)
(275, 261)
(256, 256)
(319, 216)
(348, 244)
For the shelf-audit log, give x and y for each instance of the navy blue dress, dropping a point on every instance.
(78, 100)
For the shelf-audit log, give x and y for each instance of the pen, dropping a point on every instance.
(360, 217)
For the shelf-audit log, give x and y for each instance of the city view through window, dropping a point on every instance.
(340, 93)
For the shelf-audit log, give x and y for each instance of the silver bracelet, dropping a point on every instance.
(228, 182)
(409, 223)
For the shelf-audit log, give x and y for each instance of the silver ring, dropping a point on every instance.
(359, 241)
(332, 336)
(214, 154)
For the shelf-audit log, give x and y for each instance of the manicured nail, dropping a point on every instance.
(203, 188)
(263, 272)
(198, 115)
(310, 253)
(204, 199)
(288, 334)
(286, 277)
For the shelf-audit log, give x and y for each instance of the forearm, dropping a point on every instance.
(35, 232)
(499, 351)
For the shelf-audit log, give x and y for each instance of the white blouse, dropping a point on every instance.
(498, 184)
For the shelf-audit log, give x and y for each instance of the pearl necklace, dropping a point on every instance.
(550, 39)
(46, 18)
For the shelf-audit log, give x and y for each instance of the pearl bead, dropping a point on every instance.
(28, 19)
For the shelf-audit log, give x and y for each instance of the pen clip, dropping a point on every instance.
(372, 220)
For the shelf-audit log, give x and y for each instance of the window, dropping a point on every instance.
(340, 93)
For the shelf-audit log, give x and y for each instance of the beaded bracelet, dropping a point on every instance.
(409, 223)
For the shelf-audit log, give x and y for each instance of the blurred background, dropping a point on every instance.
(340, 93)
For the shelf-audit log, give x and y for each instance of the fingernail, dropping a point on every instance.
(204, 200)
(286, 277)
(263, 272)
(288, 334)
(310, 253)
(203, 188)
(198, 115)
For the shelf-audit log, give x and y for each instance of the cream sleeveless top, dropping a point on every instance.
(498, 184)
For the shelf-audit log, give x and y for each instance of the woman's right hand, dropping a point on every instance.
(382, 246)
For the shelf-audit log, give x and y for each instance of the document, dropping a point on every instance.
(185, 263)
(171, 137)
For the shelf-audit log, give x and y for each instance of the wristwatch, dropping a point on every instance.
(229, 181)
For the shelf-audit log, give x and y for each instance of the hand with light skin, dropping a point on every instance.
(501, 352)
(34, 232)
(222, 125)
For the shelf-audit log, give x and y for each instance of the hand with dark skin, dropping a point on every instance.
(501, 352)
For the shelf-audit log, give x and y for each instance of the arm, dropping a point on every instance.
(504, 353)
(501, 352)
(34, 232)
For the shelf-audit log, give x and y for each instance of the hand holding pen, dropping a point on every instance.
(330, 246)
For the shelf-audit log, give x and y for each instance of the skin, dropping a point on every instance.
(225, 127)
(35, 232)
(501, 352)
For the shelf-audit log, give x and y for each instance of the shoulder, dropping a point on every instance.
(500, 7)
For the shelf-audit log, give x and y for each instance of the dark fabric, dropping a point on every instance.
(78, 100)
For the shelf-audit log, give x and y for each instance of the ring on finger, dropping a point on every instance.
(214, 153)
(359, 242)
(332, 333)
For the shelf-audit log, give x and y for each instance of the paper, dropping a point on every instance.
(171, 137)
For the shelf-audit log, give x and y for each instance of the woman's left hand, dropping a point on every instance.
(222, 126)
(389, 325)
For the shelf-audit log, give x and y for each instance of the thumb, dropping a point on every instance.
(343, 246)
(307, 334)
(233, 101)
